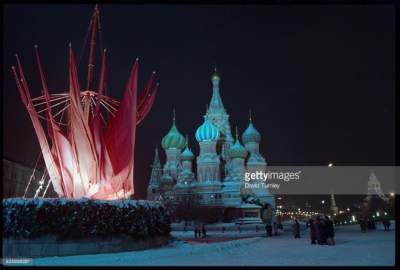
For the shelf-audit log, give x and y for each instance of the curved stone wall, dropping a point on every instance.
(49, 246)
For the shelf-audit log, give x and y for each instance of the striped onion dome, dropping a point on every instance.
(237, 150)
(251, 134)
(207, 132)
(173, 139)
(187, 153)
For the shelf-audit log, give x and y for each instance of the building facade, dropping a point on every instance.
(22, 181)
(218, 178)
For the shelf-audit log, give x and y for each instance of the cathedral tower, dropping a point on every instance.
(218, 116)
(232, 184)
(208, 186)
(256, 162)
(172, 143)
(153, 190)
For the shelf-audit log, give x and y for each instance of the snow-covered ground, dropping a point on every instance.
(353, 248)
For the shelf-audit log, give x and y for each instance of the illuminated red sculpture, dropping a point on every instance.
(91, 152)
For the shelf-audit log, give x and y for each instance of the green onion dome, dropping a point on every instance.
(173, 139)
(251, 134)
(237, 150)
(207, 132)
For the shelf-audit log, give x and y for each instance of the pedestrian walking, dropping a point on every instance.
(204, 231)
(296, 229)
(275, 228)
(269, 230)
(313, 232)
(330, 231)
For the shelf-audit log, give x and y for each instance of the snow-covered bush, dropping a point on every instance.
(83, 218)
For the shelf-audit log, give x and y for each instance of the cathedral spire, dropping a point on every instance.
(155, 169)
(333, 202)
(237, 136)
(216, 105)
(156, 158)
(250, 115)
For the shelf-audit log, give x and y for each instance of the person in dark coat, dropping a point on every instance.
(296, 229)
(330, 231)
(203, 229)
(313, 232)
(323, 232)
(363, 225)
(195, 231)
(275, 228)
(317, 227)
(386, 224)
(269, 230)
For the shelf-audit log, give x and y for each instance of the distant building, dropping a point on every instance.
(218, 178)
(374, 188)
(16, 179)
(334, 208)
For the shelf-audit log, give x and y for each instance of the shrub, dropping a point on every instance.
(83, 218)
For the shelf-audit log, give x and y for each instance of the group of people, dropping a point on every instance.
(366, 224)
(370, 224)
(200, 231)
(322, 231)
(386, 224)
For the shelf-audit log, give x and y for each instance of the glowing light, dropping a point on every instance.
(323, 201)
(348, 209)
(377, 214)
(353, 218)
(330, 165)
(391, 194)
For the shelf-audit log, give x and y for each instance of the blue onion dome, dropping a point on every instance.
(237, 150)
(207, 132)
(187, 153)
(173, 139)
(251, 134)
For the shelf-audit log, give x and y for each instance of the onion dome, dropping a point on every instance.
(215, 78)
(187, 153)
(251, 134)
(173, 139)
(237, 150)
(207, 131)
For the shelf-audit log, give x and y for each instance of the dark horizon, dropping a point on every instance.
(319, 79)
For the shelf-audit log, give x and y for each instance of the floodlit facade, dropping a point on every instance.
(218, 177)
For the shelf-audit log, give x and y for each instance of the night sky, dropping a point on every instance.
(319, 79)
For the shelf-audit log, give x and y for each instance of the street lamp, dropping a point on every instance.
(330, 165)
(323, 201)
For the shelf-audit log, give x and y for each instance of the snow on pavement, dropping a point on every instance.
(353, 248)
